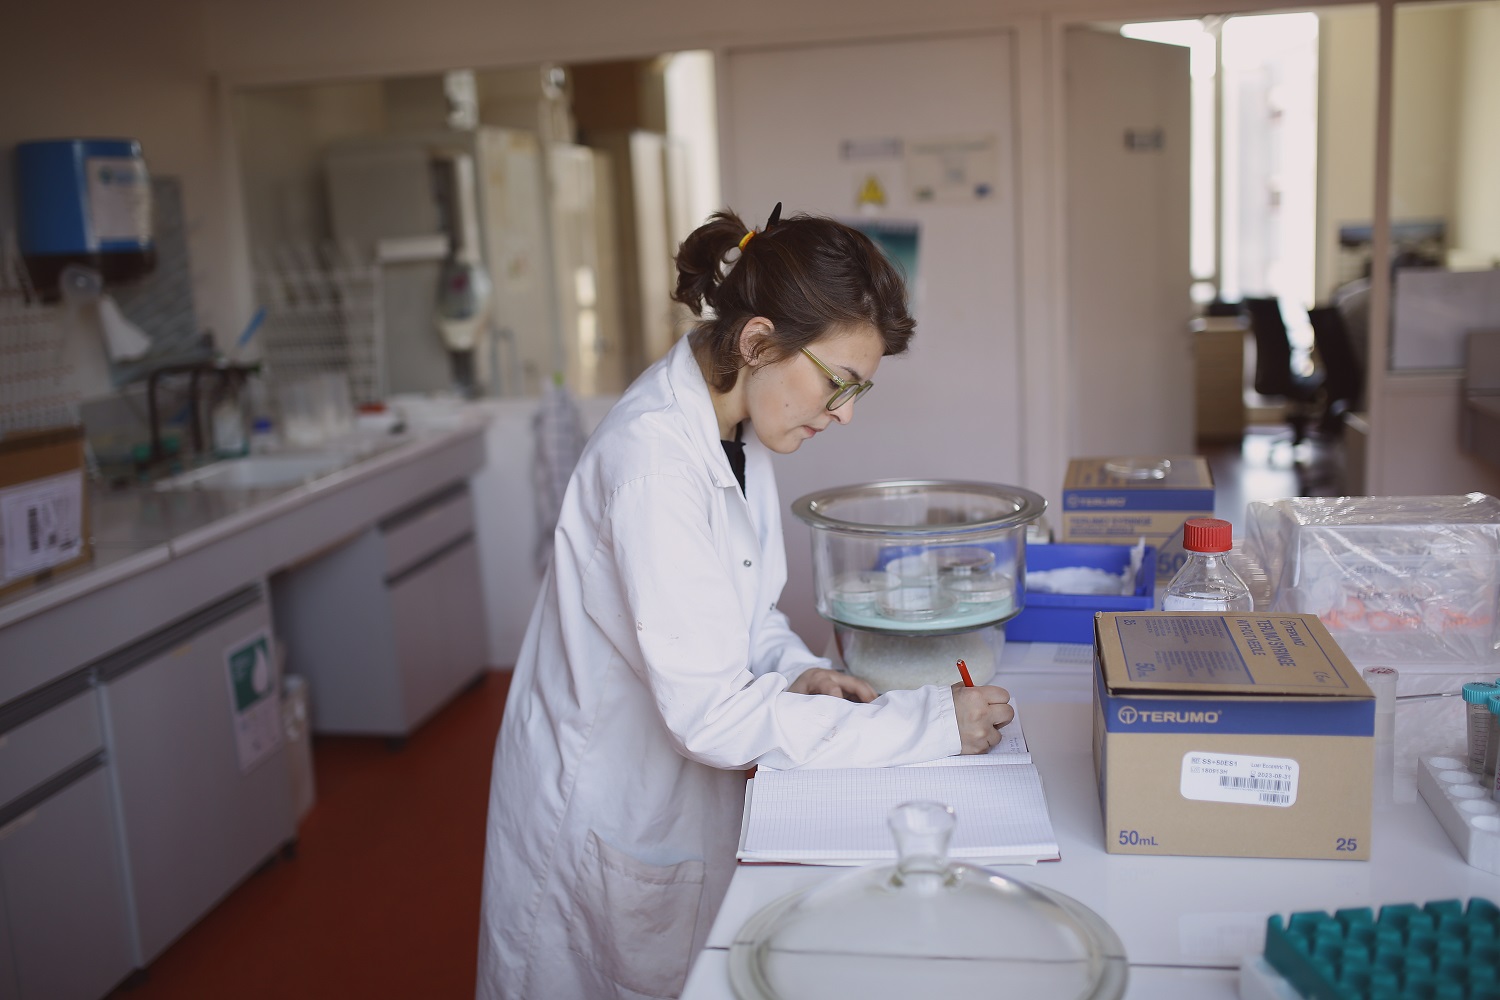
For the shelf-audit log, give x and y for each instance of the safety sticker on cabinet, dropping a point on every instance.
(1238, 778)
(252, 695)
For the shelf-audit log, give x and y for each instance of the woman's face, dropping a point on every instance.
(787, 400)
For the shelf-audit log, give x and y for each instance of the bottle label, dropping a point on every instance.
(1239, 778)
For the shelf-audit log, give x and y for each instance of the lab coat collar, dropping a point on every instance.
(692, 394)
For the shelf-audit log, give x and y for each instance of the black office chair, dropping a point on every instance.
(1343, 375)
(1274, 377)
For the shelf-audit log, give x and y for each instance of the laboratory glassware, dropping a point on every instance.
(930, 535)
(1206, 582)
(926, 926)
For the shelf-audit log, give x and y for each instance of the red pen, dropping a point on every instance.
(963, 671)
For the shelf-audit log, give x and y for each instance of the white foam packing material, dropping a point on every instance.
(1463, 806)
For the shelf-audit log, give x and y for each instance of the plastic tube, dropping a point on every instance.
(1492, 738)
(1476, 710)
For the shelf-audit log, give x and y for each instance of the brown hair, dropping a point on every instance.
(805, 274)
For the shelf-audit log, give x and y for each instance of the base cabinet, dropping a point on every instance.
(390, 626)
(64, 900)
(65, 930)
(194, 821)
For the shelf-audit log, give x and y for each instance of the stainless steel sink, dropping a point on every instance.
(257, 472)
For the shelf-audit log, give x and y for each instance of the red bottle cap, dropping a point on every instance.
(1207, 534)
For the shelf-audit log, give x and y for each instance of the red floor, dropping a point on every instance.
(382, 899)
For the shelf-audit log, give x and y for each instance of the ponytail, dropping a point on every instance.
(700, 259)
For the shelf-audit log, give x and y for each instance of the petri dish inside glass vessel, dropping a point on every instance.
(917, 602)
(861, 590)
(981, 588)
(962, 560)
(926, 926)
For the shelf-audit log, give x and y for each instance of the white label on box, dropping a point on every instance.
(1253, 781)
(41, 524)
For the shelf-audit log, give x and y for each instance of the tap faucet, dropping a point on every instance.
(227, 374)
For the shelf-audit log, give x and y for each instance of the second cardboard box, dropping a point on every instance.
(1243, 735)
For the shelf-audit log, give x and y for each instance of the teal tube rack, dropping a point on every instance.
(1441, 951)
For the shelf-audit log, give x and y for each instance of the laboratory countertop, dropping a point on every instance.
(135, 529)
(1186, 922)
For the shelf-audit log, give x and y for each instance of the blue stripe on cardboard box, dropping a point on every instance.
(1251, 715)
(1106, 501)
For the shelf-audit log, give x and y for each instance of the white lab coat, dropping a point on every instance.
(654, 671)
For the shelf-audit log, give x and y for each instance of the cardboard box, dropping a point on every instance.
(1224, 735)
(1103, 507)
(43, 505)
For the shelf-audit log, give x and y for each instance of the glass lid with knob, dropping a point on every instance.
(926, 926)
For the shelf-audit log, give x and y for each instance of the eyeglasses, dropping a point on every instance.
(844, 390)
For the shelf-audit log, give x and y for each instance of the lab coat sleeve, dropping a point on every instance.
(774, 646)
(660, 588)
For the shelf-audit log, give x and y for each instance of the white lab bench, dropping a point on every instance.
(1185, 922)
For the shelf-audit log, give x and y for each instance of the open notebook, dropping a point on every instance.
(838, 816)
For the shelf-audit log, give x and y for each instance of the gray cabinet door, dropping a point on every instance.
(10, 986)
(194, 823)
(465, 636)
(416, 622)
(438, 616)
(64, 897)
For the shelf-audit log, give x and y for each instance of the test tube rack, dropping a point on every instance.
(1463, 806)
(1445, 950)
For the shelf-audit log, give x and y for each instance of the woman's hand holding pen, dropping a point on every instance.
(981, 712)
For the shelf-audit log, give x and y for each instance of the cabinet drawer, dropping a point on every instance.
(412, 536)
(47, 743)
(65, 895)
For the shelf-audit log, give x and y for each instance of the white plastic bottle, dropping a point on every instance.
(1206, 582)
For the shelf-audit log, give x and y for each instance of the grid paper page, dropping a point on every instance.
(839, 815)
(1010, 750)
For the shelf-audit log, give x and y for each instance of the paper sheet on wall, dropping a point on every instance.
(955, 169)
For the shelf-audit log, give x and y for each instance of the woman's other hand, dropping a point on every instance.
(820, 680)
(981, 712)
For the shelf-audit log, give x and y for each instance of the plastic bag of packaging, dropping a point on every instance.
(1397, 580)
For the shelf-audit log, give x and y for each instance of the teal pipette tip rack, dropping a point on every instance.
(1442, 951)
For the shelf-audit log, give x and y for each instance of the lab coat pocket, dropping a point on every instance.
(634, 922)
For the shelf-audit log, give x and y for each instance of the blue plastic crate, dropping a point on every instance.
(1070, 617)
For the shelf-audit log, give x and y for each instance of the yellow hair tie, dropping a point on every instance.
(745, 239)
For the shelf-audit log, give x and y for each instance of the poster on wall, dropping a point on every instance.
(957, 169)
(898, 239)
(252, 698)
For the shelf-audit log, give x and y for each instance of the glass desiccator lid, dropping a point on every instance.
(926, 926)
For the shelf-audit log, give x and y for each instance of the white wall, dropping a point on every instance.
(1346, 132)
(281, 134)
(1424, 122)
(950, 408)
(1128, 268)
(93, 68)
(1477, 194)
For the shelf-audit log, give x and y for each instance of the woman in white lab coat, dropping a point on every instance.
(656, 667)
